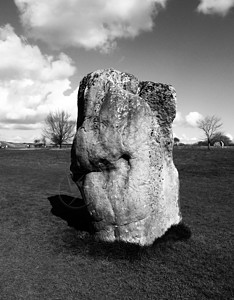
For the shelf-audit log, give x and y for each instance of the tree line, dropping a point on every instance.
(60, 129)
(211, 127)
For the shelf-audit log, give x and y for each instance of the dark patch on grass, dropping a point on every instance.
(84, 238)
(77, 217)
(179, 232)
(133, 252)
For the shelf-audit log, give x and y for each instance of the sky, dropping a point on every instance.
(47, 47)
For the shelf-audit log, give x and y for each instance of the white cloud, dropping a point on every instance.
(230, 136)
(179, 120)
(192, 118)
(87, 23)
(187, 140)
(194, 139)
(220, 7)
(17, 139)
(31, 84)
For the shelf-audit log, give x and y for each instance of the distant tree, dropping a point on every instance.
(36, 141)
(210, 125)
(220, 136)
(58, 127)
(202, 143)
(176, 140)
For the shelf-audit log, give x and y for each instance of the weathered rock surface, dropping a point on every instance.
(219, 144)
(122, 156)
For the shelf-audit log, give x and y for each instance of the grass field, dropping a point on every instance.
(41, 257)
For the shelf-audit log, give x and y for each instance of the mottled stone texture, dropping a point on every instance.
(122, 156)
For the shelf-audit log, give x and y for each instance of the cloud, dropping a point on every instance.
(20, 126)
(17, 139)
(220, 7)
(192, 118)
(31, 84)
(229, 136)
(187, 140)
(179, 120)
(87, 23)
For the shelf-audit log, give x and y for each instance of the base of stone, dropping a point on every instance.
(140, 237)
(178, 232)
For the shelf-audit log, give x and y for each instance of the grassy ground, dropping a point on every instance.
(41, 257)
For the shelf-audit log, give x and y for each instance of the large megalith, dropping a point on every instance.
(121, 158)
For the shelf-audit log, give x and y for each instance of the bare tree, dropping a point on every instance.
(58, 127)
(210, 125)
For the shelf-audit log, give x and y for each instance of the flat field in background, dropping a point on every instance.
(41, 257)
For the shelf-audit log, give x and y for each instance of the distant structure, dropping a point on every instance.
(3, 145)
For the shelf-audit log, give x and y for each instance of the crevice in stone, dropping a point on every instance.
(132, 221)
(116, 232)
(126, 157)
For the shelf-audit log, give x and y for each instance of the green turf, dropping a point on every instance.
(41, 257)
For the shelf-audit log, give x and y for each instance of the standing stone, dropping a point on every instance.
(121, 157)
(219, 144)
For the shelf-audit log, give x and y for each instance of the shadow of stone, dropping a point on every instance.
(80, 219)
(76, 216)
(177, 232)
(133, 252)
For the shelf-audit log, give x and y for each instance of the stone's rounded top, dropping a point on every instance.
(160, 97)
(122, 79)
